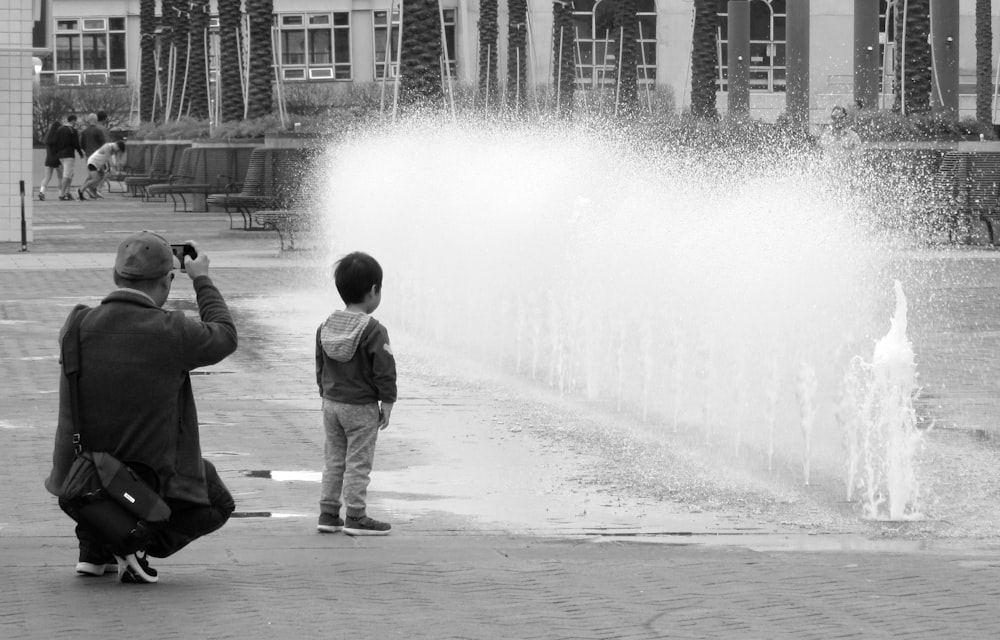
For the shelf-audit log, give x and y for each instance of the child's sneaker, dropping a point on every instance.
(329, 523)
(365, 526)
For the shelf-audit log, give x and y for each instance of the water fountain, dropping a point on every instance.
(721, 295)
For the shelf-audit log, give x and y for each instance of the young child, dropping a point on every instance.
(356, 374)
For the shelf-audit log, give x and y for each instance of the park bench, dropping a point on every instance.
(164, 162)
(137, 157)
(967, 188)
(203, 172)
(274, 180)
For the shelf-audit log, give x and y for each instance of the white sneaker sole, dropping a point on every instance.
(130, 562)
(328, 528)
(365, 532)
(96, 570)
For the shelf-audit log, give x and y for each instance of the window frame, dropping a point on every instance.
(93, 46)
(593, 75)
(774, 75)
(309, 25)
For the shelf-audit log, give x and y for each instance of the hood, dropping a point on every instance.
(341, 334)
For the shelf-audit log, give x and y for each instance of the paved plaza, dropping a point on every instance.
(497, 532)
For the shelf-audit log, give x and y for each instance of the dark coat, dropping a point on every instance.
(68, 142)
(92, 138)
(135, 390)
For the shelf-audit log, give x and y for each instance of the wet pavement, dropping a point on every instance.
(508, 520)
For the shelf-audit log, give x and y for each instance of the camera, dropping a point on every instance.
(181, 251)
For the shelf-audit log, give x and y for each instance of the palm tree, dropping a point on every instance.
(517, 53)
(913, 68)
(197, 87)
(705, 60)
(229, 61)
(259, 96)
(627, 41)
(147, 66)
(984, 61)
(488, 51)
(563, 55)
(421, 51)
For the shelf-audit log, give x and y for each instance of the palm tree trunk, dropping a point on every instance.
(259, 97)
(421, 51)
(488, 31)
(147, 67)
(517, 53)
(917, 78)
(229, 65)
(197, 87)
(984, 61)
(627, 43)
(563, 56)
(705, 61)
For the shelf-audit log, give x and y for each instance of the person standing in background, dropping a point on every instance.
(67, 148)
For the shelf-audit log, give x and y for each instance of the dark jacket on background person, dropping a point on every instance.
(92, 138)
(68, 142)
(354, 362)
(135, 395)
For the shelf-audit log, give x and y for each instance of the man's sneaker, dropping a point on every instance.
(41, 195)
(329, 523)
(85, 568)
(135, 569)
(365, 526)
(79, 192)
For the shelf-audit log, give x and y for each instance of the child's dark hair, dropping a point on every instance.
(355, 274)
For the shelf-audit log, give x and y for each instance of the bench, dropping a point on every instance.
(274, 180)
(204, 171)
(287, 222)
(137, 157)
(967, 188)
(164, 162)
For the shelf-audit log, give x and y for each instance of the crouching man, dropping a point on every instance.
(135, 399)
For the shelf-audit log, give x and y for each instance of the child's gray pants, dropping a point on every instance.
(351, 432)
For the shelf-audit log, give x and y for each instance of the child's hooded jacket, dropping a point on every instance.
(354, 361)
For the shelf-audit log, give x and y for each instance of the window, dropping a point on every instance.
(646, 14)
(597, 55)
(90, 51)
(767, 45)
(886, 44)
(315, 46)
(449, 38)
(386, 48)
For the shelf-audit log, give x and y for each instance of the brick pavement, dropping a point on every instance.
(494, 536)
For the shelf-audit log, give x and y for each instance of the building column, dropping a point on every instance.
(17, 70)
(944, 45)
(797, 59)
(866, 53)
(738, 104)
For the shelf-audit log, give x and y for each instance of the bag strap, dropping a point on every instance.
(71, 367)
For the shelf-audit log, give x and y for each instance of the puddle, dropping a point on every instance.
(221, 454)
(285, 476)
(31, 358)
(209, 373)
(266, 514)
(10, 425)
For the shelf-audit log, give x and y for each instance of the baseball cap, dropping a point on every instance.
(144, 256)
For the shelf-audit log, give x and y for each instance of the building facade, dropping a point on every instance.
(353, 41)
